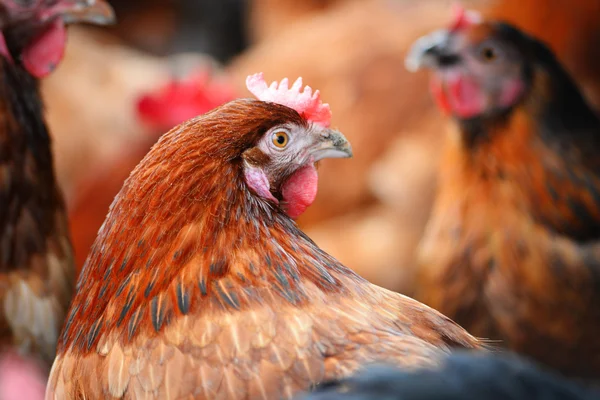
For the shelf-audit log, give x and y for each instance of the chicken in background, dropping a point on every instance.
(462, 376)
(512, 250)
(166, 107)
(36, 260)
(200, 283)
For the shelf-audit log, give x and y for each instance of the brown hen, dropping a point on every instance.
(201, 285)
(511, 251)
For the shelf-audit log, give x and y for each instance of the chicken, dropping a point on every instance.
(511, 251)
(36, 261)
(201, 285)
(463, 376)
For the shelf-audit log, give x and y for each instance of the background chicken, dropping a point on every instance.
(464, 376)
(200, 283)
(36, 261)
(511, 250)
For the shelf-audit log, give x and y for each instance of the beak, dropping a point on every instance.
(97, 12)
(430, 51)
(331, 144)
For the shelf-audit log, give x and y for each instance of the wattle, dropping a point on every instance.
(458, 94)
(41, 56)
(437, 90)
(300, 190)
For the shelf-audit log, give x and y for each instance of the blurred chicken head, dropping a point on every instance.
(33, 32)
(479, 69)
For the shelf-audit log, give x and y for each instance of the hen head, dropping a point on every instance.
(272, 144)
(481, 69)
(281, 166)
(522, 120)
(33, 32)
(278, 138)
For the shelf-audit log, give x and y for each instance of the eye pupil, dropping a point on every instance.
(280, 139)
(489, 54)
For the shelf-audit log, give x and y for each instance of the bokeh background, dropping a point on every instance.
(165, 61)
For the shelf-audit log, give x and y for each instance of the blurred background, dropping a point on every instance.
(166, 61)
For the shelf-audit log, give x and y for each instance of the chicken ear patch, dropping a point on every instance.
(258, 182)
(458, 94)
(42, 55)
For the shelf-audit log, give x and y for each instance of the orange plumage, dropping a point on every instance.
(200, 285)
(511, 250)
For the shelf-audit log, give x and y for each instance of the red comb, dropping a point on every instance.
(306, 103)
(464, 18)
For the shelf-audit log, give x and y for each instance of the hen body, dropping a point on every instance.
(511, 251)
(197, 286)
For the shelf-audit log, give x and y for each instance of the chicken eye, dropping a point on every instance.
(488, 54)
(280, 139)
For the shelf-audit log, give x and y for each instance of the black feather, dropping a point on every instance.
(462, 377)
